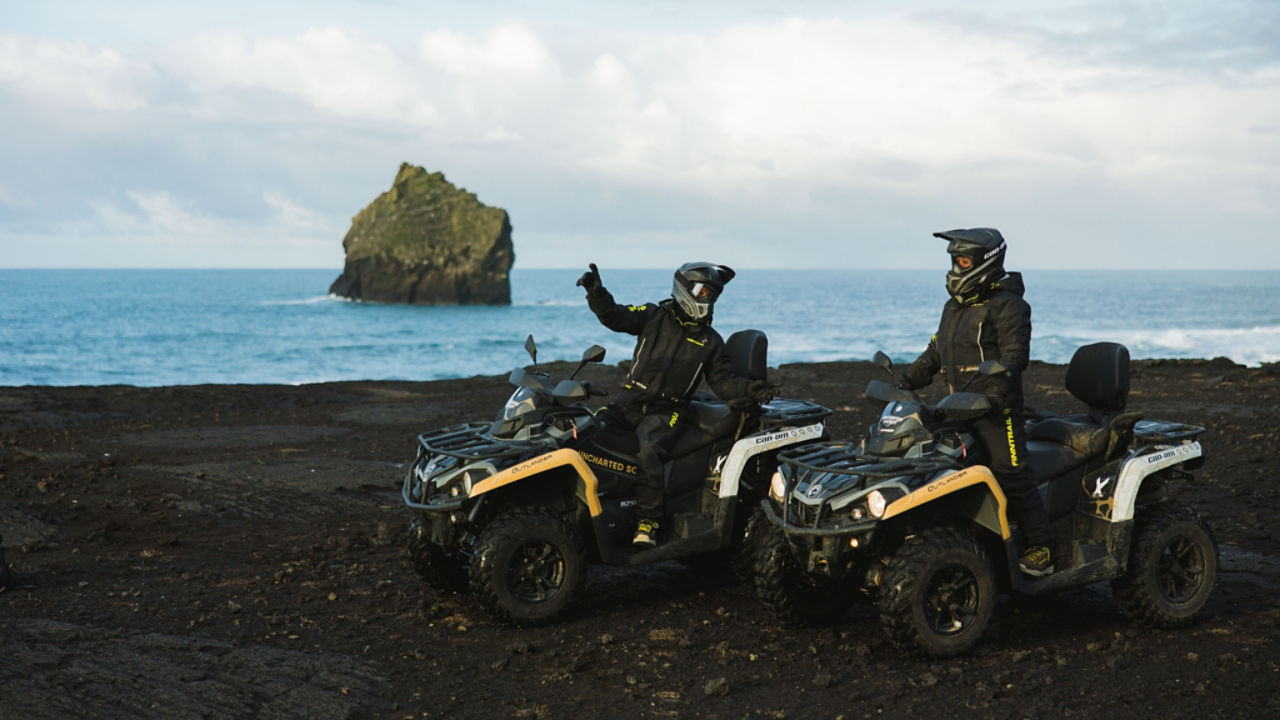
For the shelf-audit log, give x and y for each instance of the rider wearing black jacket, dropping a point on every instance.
(676, 348)
(987, 319)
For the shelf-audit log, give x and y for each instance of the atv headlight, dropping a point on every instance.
(876, 503)
(778, 487)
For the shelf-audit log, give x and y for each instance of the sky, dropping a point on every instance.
(644, 134)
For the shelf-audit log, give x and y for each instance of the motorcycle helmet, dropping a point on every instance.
(697, 285)
(977, 260)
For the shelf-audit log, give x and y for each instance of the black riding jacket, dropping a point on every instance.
(672, 353)
(996, 327)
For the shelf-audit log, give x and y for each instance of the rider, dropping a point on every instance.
(676, 348)
(987, 319)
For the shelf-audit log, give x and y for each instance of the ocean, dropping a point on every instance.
(184, 327)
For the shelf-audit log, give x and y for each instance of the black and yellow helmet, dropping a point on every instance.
(977, 261)
(697, 285)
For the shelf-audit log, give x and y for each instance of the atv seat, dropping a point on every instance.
(1098, 376)
(714, 419)
(1060, 470)
(1062, 447)
(748, 350)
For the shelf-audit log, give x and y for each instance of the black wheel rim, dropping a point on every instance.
(536, 572)
(951, 600)
(1180, 571)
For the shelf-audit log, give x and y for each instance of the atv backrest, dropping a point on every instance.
(749, 352)
(1099, 377)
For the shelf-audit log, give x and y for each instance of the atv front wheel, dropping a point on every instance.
(744, 556)
(1172, 569)
(527, 567)
(441, 570)
(790, 592)
(938, 593)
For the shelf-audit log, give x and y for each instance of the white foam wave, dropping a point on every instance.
(301, 301)
(1248, 346)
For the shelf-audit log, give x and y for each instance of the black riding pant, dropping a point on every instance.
(1004, 436)
(656, 432)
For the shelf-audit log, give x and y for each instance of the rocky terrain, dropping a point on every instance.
(236, 551)
(427, 242)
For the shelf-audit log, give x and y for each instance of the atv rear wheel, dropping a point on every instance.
(1172, 568)
(938, 593)
(527, 567)
(790, 592)
(441, 570)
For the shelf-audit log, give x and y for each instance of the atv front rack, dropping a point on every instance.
(815, 464)
(846, 458)
(472, 441)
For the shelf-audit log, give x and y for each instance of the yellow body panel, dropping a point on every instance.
(948, 484)
(587, 482)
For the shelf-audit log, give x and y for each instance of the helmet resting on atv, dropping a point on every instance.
(977, 260)
(697, 285)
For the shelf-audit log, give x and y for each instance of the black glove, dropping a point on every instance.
(761, 391)
(590, 280)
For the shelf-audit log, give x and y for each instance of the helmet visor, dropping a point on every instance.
(702, 292)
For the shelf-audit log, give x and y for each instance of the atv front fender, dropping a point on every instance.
(586, 487)
(974, 492)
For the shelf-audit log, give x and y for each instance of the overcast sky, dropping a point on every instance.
(645, 134)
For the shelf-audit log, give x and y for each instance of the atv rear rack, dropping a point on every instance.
(786, 411)
(1166, 431)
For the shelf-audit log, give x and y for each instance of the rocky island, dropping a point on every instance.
(427, 242)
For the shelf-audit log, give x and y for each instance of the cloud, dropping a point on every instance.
(294, 215)
(71, 75)
(835, 129)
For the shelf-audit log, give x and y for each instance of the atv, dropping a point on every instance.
(910, 518)
(513, 510)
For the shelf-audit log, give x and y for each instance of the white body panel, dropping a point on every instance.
(1136, 469)
(746, 448)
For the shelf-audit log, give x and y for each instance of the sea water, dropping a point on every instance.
(171, 327)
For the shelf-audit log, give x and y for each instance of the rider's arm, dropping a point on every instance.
(921, 372)
(619, 318)
(723, 380)
(1013, 334)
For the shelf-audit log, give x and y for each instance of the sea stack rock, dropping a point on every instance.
(426, 242)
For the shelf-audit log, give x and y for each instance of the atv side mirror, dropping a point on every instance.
(593, 354)
(885, 363)
(532, 348)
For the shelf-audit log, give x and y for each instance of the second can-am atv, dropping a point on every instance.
(513, 510)
(911, 519)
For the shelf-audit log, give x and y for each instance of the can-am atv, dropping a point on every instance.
(911, 519)
(514, 509)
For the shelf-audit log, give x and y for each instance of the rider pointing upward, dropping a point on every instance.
(676, 348)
